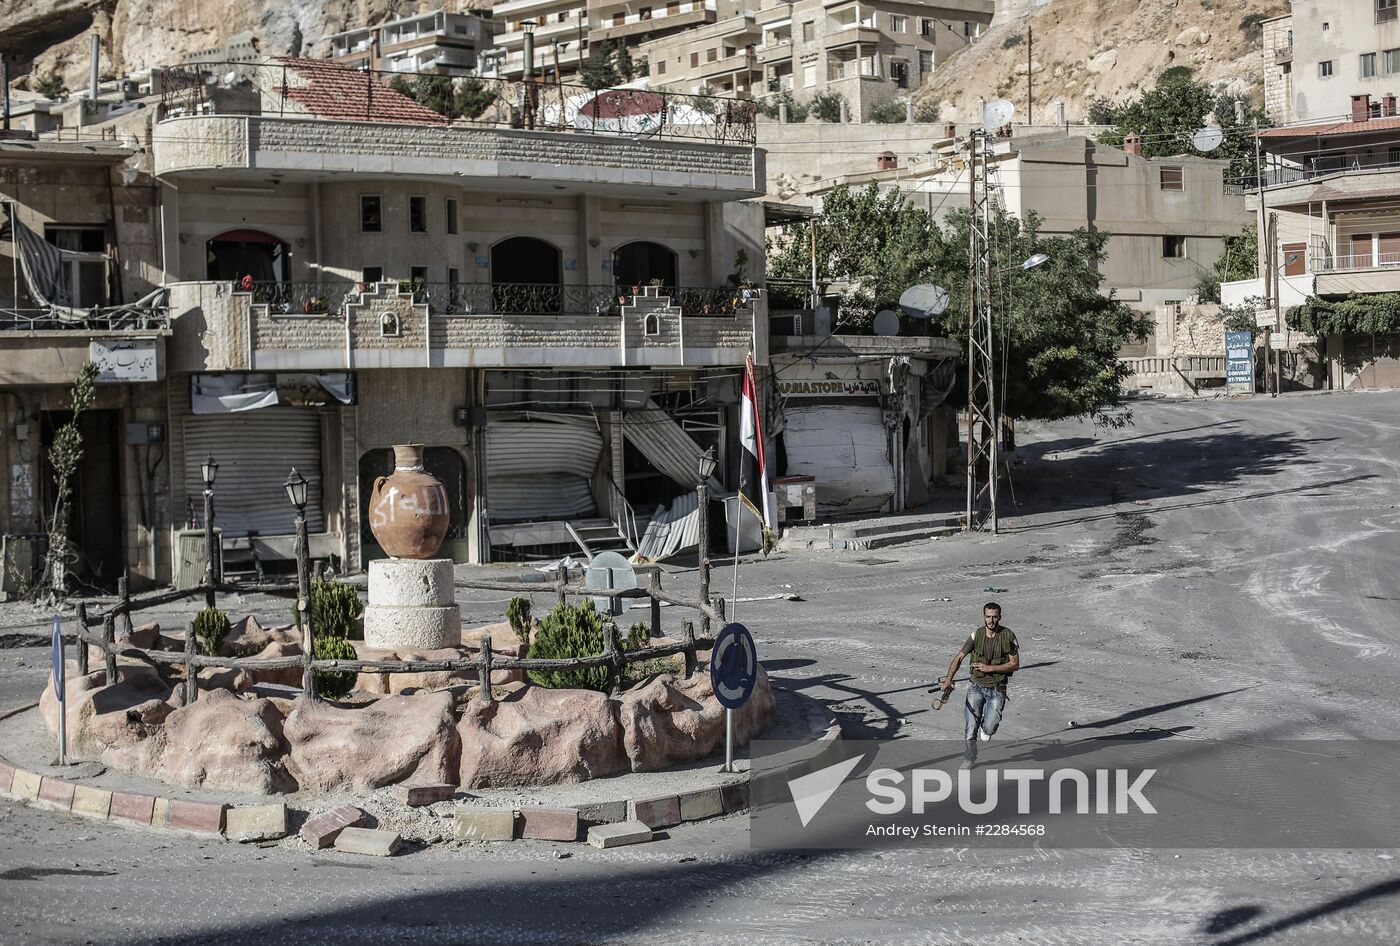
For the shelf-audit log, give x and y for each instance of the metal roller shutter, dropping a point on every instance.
(846, 448)
(255, 451)
(541, 468)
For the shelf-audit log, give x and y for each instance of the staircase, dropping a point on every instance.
(598, 535)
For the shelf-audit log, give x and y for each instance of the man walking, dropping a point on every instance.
(995, 657)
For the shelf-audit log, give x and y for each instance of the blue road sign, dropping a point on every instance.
(1239, 358)
(733, 666)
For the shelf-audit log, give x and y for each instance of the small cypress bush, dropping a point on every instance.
(518, 614)
(210, 628)
(335, 684)
(638, 636)
(570, 631)
(334, 608)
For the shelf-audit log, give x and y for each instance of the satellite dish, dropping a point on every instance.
(924, 301)
(997, 112)
(886, 323)
(1207, 139)
(609, 571)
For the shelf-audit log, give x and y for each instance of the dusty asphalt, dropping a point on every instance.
(1221, 569)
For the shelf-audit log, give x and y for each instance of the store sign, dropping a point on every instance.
(840, 388)
(121, 361)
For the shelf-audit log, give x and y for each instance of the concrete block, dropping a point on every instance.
(55, 793)
(7, 775)
(91, 802)
(369, 841)
(25, 785)
(409, 583)
(388, 628)
(662, 811)
(549, 824)
(736, 797)
(602, 812)
(616, 835)
(322, 830)
(160, 813)
(485, 824)
(416, 796)
(132, 807)
(256, 822)
(701, 804)
(201, 817)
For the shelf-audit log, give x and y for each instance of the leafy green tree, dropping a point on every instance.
(827, 106)
(571, 631)
(1167, 115)
(1102, 112)
(1238, 259)
(888, 112)
(50, 86)
(472, 98)
(622, 61)
(768, 106)
(65, 457)
(598, 71)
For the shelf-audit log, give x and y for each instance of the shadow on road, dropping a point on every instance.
(1238, 916)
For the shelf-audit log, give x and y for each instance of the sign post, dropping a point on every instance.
(60, 689)
(733, 672)
(1239, 362)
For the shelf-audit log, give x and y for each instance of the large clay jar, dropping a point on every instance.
(408, 511)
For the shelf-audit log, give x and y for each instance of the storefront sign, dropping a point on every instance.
(121, 361)
(840, 388)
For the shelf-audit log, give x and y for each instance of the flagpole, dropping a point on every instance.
(60, 685)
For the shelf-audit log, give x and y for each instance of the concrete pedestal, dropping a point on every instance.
(412, 605)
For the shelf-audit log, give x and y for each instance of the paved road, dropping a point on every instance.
(1220, 570)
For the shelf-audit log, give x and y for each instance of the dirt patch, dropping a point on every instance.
(1132, 532)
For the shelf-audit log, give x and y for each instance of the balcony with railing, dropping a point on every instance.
(1283, 54)
(607, 22)
(344, 326)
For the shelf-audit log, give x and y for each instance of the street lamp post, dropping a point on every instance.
(528, 53)
(209, 470)
(296, 495)
(702, 497)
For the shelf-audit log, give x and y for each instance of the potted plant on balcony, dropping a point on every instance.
(316, 305)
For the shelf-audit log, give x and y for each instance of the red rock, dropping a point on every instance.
(416, 796)
(539, 737)
(197, 816)
(670, 719)
(143, 636)
(393, 739)
(320, 831)
(56, 793)
(100, 717)
(549, 824)
(247, 638)
(224, 741)
(132, 806)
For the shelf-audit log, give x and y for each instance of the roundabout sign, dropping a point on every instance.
(733, 666)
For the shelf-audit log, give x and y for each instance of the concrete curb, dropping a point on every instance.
(226, 821)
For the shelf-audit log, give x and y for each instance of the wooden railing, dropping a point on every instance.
(613, 656)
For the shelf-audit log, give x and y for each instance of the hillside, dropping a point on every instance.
(1085, 49)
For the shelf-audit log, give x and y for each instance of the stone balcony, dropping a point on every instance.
(217, 329)
(234, 147)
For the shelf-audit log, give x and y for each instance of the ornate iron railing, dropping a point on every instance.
(312, 298)
(277, 88)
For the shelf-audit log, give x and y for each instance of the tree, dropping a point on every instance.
(827, 106)
(50, 86)
(1061, 334)
(622, 61)
(65, 456)
(1238, 259)
(598, 71)
(876, 242)
(888, 112)
(472, 98)
(1167, 115)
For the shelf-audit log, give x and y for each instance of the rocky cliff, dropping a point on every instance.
(1086, 49)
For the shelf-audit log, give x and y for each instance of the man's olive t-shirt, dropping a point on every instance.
(990, 650)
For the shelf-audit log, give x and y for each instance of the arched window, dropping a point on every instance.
(526, 276)
(642, 263)
(236, 254)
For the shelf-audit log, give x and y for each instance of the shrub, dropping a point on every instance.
(768, 107)
(334, 608)
(638, 636)
(210, 628)
(1102, 112)
(334, 684)
(518, 614)
(50, 86)
(1015, 39)
(827, 106)
(571, 631)
(1252, 23)
(926, 113)
(888, 112)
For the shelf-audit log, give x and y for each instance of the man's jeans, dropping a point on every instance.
(983, 706)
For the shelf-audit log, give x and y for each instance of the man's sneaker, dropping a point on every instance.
(984, 736)
(967, 764)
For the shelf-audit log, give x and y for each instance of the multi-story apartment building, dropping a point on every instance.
(863, 50)
(560, 314)
(441, 42)
(1332, 181)
(559, 31)
(634, 23)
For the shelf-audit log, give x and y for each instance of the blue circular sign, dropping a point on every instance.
(733, 666)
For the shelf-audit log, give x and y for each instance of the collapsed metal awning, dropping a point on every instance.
(666, 445)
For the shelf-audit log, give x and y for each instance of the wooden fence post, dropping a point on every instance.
(655, 603)
(562, 582)
(81, 638)
(688, 635)
(484, 673)
(191, 683)
(124, 599)
(109, 644)
(614, 664)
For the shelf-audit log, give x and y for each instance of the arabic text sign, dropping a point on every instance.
(1239, 358)
(841, 388)
(122, 361)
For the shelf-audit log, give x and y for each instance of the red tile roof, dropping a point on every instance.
(1331, 128)
(329, 90)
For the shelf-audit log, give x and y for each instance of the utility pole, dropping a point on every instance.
(1278, 310)
(981, 387)
(1030, 96)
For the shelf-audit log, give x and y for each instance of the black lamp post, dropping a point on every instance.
(296, 495)
(209, 470)
(702, 496)
(528, 53)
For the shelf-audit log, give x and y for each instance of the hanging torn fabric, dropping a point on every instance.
(233, 393)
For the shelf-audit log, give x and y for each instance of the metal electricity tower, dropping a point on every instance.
(982, 420)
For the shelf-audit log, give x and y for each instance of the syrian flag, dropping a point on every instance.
(754, 491)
